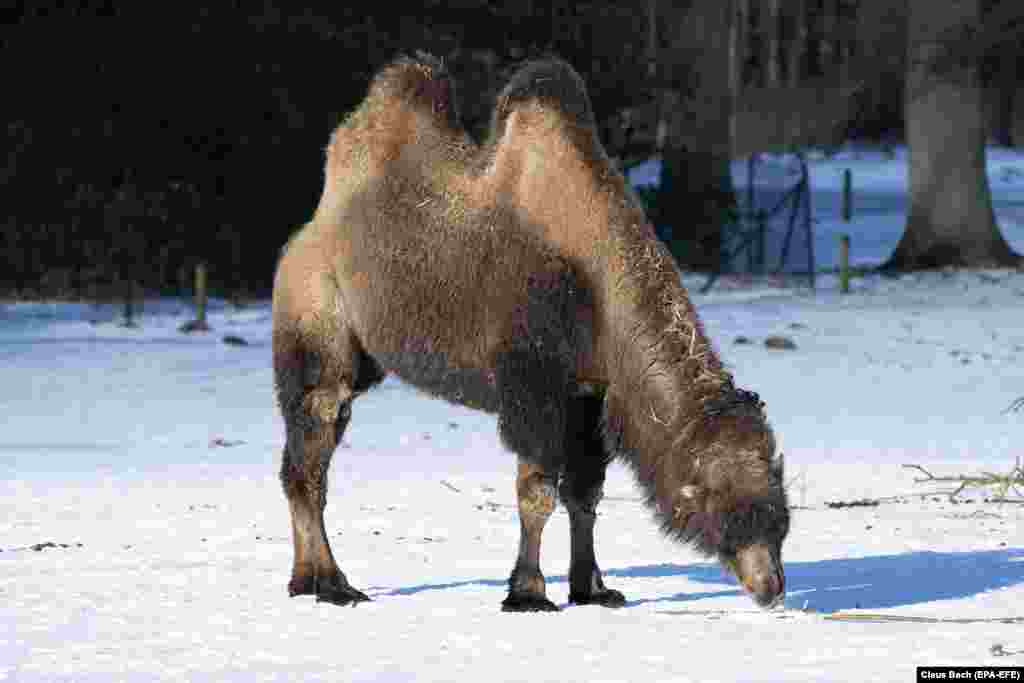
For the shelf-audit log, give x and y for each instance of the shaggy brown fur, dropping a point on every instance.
(701, 449)
(391, 276)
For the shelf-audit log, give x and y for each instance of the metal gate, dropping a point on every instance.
(773, 233)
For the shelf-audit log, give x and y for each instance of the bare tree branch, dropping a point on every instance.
(1001, 484)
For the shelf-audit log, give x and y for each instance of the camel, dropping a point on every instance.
(518, 277)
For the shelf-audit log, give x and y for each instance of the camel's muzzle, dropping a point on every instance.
(759, 570)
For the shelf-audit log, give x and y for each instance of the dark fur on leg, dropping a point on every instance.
(581, 490)
(533, 383)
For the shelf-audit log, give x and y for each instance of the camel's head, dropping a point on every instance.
(732, 503)
(751, 546)
(743, 527)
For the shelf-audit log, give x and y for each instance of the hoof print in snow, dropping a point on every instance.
(862, 503)
(234, 340)
(220, 442)
(38, 547)
(998, 650)
(780, 342)
(194, 326)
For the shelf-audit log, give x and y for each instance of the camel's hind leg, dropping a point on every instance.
(316, 373)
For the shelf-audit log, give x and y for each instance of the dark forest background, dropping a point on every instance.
(144, 138)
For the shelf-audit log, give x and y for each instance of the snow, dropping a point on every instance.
(149, 459)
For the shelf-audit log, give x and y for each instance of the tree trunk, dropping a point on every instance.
(661, 124)
(739, 45)
(1018, 116)
(737, 56)
(128, 297)
(773, 41)
(798, 46)
(880, 37)
(652, 38)
(950, 220)
(827, 37)
(1005, 87)
(696, 187)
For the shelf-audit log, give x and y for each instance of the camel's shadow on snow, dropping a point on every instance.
(826, 585)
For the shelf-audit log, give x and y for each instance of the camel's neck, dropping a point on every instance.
(649, 348)
(661, 368)
(647, 337)
(674, 415)
(672, 411)
(651, 317)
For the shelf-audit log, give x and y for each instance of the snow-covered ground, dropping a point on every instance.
(144, 535)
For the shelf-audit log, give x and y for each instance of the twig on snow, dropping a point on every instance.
(872, 616)
(1001, 483)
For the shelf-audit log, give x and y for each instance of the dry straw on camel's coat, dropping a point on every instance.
(521, 278)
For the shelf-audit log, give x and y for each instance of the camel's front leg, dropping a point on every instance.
(581, 490)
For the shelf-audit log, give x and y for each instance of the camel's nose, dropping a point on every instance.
(760, 571)
(767, 587)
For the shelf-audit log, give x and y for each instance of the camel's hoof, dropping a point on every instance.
(605, 598)
(341, 595)
(301, 585)
(527, 602)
